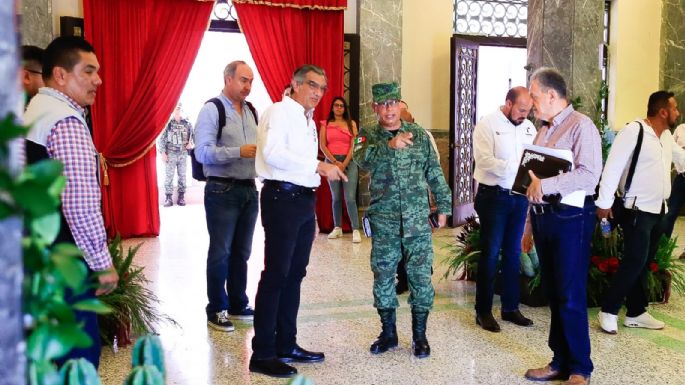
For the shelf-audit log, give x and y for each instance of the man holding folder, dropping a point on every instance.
(562, 232)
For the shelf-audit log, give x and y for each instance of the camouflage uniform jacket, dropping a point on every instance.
(400, 180)
(175, 136)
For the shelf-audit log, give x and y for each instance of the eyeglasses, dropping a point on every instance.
(316, 86)
(387, 103)
(34, 71)
(340, 105)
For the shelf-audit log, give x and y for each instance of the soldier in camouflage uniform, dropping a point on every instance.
(176, 139)
(403, 165)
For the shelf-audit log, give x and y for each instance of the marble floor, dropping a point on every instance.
(337, 317)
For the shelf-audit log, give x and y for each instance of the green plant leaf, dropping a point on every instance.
(67, 250)
(43, 373)
(34, 199)
(47, 227)
(71, 268)
(94, 305)
(45, 343)
(44, 172)
(9, 129)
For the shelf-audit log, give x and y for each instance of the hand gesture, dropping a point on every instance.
(534, 192)
(331, 171)
(401, 140)
(604, 213)
(108, 280)
(442, 220)
(248, 151)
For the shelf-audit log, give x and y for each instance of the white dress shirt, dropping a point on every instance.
(679, 138)
(287, 145)
(651, 184)
(497, 148)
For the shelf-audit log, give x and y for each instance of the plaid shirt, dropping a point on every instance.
(70, 142)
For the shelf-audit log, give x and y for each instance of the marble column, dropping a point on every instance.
(672, 69)
(566, 35)
(12, 344)
(380, 36)
(36, 22)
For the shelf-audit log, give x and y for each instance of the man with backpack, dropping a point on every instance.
(226, 148)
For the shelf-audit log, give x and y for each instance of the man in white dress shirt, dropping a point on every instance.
(645, 203)
(498, 141)
(286, 161)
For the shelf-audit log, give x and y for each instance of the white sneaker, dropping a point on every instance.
(608, 322)
(644, 320)
(336, 233)
(356, 237)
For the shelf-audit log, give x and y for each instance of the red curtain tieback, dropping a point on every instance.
(104, 163)
(322, 5)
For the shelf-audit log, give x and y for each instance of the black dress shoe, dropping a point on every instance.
(300, 355)
(272, 367)
(487, 322)
(517, 318)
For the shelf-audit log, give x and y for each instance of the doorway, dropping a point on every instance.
(483, 69)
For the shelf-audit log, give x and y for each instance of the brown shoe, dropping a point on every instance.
(577, 379)
(545, 374)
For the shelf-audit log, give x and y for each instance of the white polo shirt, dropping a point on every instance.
(497, 148)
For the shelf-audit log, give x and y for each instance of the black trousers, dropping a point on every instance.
(288, 221)
(641, 234)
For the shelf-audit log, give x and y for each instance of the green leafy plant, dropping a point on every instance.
(49, 270)
(133, 304)
(464, 254)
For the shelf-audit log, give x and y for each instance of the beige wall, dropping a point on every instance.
(72, 8)
(426, 32)
(633, 58)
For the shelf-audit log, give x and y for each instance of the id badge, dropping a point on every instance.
(366, 225)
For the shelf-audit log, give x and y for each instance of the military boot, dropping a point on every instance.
(168, 202)
(181, 199)
(388, 337)
(418, 328)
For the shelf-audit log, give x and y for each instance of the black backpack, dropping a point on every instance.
(197, 171)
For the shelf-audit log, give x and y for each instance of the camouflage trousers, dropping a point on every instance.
(386, 253)
(175, 161)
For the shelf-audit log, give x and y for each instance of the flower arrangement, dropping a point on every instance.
(663, 274)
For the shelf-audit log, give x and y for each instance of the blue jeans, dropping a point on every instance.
(288, 220)
(641, 234)
(675, 202)
(231, 212)
(350, 191)
(502, 218)
(562, 238)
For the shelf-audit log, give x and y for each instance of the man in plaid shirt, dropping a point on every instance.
(59, 131)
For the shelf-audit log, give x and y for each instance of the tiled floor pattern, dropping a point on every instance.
(337, 317)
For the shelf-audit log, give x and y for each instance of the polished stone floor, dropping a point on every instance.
(337, 317)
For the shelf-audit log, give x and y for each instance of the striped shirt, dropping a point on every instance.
(571, 130)
(70, 142)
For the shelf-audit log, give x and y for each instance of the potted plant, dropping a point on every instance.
(133, 304)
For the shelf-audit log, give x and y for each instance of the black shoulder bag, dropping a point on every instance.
(197, 171)
(618, 208)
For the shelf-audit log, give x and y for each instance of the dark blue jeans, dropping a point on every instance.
(231, 211)
(562, 238)
(675, 202)
(288, 220)
(641, 233)
(502, 218)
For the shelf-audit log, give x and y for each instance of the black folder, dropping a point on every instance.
(543, 165)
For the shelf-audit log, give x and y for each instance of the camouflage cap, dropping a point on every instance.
(385, 91)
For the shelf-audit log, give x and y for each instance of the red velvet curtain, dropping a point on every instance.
(283, 35)
(146, 49)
